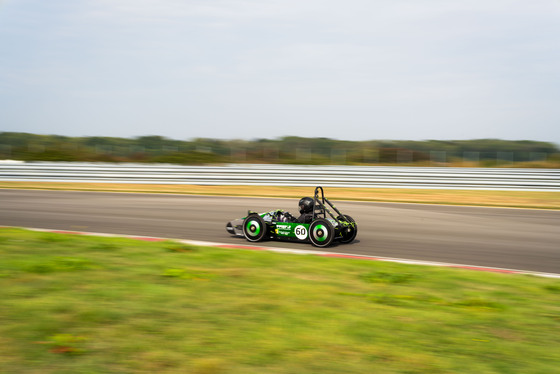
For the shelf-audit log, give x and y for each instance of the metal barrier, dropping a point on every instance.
(287, 175)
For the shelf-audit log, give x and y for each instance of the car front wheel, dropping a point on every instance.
(254, 228)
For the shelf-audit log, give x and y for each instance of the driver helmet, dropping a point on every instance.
(306, 205)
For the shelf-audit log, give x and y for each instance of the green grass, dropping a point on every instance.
(75, 304)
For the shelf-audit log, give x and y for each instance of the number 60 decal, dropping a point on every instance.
(301, 232)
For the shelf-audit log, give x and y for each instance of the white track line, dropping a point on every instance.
(303, 252)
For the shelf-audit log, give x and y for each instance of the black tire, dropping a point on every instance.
(349, 236)
(254, 228)
(321, 233)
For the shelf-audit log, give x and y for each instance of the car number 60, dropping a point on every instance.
(301, 232)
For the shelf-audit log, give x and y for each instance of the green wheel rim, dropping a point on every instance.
(253, 228)
(320, 233)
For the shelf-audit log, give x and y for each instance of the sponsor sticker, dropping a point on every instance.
(284, 230)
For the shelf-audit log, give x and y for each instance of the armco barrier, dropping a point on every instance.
(287, 175)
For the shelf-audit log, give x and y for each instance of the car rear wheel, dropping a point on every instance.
(349, 233)
(321, 233)
(254, 228)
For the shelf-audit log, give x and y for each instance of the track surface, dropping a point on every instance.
(498, 237)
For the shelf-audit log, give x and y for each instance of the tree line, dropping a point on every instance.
(285, 150)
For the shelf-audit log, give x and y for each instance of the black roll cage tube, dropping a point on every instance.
(320, 201)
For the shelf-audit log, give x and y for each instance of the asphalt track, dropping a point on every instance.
(522, 239)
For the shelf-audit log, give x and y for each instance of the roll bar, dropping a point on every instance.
(319, 202)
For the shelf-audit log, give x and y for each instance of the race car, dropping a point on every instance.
(317, 224)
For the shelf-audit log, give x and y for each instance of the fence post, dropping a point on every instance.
(404, 156)
(504, 156)
(471, 156)
(438, 157)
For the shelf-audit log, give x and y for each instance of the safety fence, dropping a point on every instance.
(287, 175)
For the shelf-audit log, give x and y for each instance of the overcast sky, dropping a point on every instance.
(246, 69)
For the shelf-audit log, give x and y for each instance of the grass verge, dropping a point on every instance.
(76, 304)
(514, 199)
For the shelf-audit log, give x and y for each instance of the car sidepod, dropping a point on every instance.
(291, 230)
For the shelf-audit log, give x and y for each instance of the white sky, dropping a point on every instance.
(352, 69)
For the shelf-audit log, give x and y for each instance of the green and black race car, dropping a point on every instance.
(317, 224)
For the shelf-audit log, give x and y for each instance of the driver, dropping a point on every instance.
(306, 205)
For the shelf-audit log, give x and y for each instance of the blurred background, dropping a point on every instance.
(286, 150)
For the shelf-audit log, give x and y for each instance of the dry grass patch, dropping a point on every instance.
(517, 199)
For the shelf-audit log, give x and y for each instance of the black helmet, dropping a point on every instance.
(306, 205)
